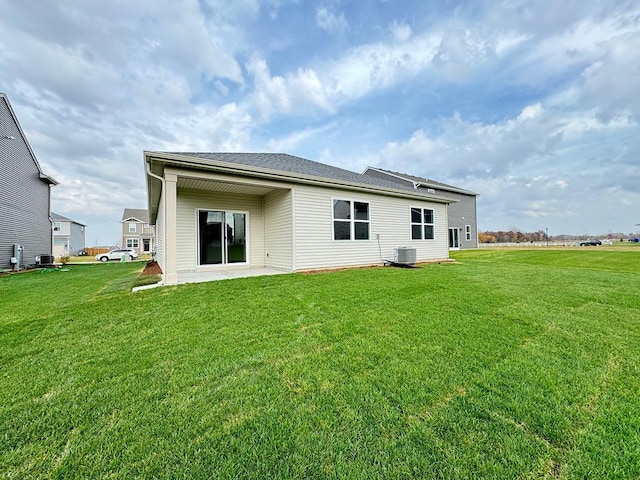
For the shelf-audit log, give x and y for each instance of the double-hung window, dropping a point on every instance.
(350, 220)
(467, 232)
(132, 227)
(422, 223)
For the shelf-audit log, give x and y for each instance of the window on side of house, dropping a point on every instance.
(422, 223)
(467, 232)
(57, 226)
(351, 220)
(132, 227)
(132, 243)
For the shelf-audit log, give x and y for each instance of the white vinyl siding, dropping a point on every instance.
(188, 204)
(314, 246)
(63, 228)
(278, 235)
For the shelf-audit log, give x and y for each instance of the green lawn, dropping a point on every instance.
(506, 364)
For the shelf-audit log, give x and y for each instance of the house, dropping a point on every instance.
(239, 210)
(137, 233)
(462, 215)
(26, 229)
(68, 236)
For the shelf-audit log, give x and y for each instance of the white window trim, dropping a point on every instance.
(467, 232)
(352, 221)
(422, 223)
(135, 227)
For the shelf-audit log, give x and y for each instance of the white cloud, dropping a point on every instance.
(401, 31)
(330, 21)
(298, 93)
(95, 84)
(612, 83)
(292, 141)
(471, 148)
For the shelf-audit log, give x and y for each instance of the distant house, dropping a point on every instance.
(137, 233)
(26, 229)
(217, 211)
(462, 215)
(68, 236)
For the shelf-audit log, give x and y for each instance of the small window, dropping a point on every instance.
(467, 232)
(350, 220)
(422, 224)
(57, 226)
(132, 228)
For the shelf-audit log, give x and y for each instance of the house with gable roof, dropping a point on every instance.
(250, 210)
(26, 228)
(68, 236)
(462, 215)
(137, 233)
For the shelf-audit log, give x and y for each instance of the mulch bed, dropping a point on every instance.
(152, 268)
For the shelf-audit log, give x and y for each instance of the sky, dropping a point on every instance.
(534, 105)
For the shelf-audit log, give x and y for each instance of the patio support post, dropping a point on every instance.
(171, 261)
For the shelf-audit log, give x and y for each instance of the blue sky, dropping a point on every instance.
(532, 104)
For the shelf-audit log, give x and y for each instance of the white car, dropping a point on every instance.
(117, 254)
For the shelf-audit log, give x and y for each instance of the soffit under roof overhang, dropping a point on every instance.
(191, 183)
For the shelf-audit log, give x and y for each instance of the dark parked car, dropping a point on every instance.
(590, 243)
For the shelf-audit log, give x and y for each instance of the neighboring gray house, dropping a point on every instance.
(26, 230)
(219, 211)
(137, 233)
(463, 219)
(68, 236)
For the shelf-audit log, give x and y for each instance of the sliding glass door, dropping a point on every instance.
(454, 239)
(222, 237)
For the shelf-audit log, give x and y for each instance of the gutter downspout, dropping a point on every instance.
(164, 210)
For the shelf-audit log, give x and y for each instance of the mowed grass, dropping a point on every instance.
(506, 364)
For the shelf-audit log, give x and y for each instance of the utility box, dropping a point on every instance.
(406, 255)
(16, 259)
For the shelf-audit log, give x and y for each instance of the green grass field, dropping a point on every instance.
(505, 364)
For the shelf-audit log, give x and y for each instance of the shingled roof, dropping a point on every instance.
(60, 218)
(426, 182)
(273, 166)
(283, 162)
(141, 214)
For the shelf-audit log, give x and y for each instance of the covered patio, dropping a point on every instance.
(226, 274)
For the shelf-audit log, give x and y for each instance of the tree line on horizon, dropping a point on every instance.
(517, 236)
